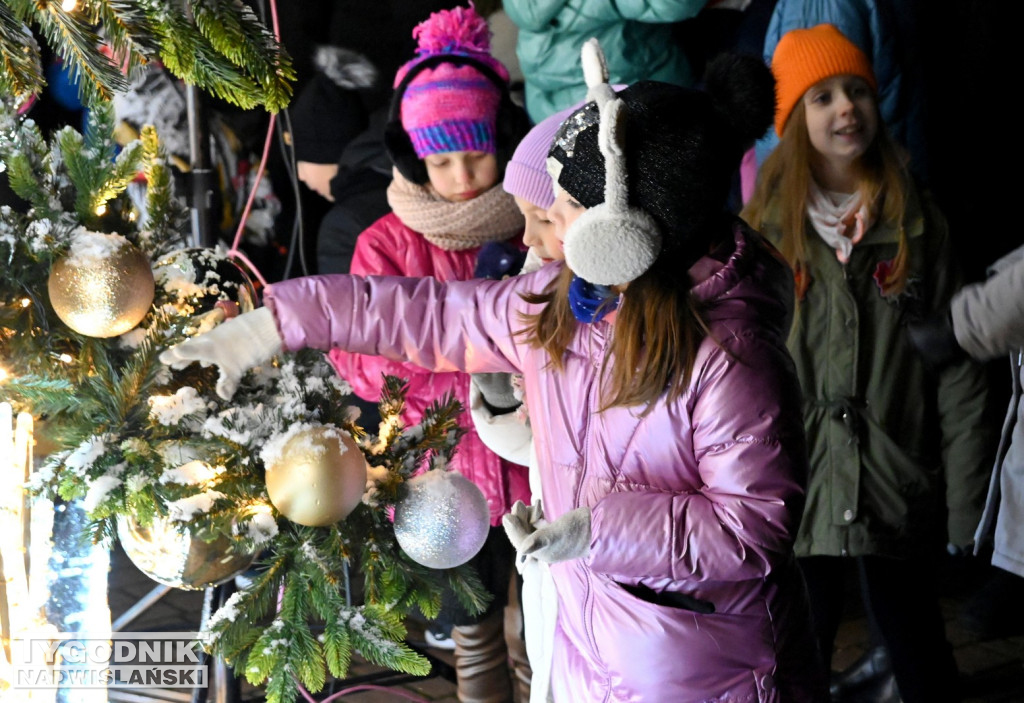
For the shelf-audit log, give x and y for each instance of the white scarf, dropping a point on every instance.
(834, 215)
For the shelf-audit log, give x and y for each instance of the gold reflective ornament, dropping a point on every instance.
(318, 478)
(168, 553)
(105, 292)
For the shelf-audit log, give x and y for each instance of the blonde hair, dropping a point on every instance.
(786, 176)
(657, 332)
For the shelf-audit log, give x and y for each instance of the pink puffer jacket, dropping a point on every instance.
(700, 497)
(390, 248)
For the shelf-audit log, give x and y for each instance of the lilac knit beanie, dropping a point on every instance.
(451, 107)
(526, 174)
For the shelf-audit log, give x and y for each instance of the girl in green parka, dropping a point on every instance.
(898, 453)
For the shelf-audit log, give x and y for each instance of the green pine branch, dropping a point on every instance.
(131, 30)
(165, 215)
(236, 33)
(76, 41)
(235, 57)
(22, 75)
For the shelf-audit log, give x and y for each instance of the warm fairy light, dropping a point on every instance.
(23, 607)
(66, 358)
(25, 302)
(69, 6)
(132, 216)
(101, 209)
(3, 374)
(257, 508)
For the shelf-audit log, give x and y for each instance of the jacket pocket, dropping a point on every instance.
(668, 599)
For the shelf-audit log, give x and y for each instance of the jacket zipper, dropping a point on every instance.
(588, 577)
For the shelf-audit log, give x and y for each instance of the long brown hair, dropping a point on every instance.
(658, 329)
(786, 176)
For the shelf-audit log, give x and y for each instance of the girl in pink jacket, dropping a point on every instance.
(665, 409)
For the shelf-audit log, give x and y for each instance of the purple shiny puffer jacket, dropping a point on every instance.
(700, 497)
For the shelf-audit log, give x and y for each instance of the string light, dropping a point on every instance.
(69, 5)
(25, 302)
(101, 209)
(66, 358)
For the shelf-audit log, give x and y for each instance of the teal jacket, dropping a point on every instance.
(899, 456)
(636, 36)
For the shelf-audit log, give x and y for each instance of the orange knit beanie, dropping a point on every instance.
(805, 56)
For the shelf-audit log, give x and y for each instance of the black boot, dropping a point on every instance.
(871, 667)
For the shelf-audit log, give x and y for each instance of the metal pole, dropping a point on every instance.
(200, 196)
(140, 607)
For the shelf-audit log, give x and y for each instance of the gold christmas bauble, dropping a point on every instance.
(103, 287)
(167, 552)
(318, 477)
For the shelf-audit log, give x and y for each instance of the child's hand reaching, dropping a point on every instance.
(234, 346)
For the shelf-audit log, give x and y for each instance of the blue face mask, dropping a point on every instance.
(590, 302)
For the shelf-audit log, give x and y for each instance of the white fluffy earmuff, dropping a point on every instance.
(611, 243)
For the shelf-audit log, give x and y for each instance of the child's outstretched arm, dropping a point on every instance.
(459, 326)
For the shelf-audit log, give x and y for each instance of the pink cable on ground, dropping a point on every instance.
(371, 687)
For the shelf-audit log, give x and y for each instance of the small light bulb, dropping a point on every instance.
(132, 216)
(66, 358)
(25, 302)
(101, 209)
(69, 5)
(3, 374)
(258, 508)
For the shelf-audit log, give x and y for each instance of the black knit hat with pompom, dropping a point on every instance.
(682, 148)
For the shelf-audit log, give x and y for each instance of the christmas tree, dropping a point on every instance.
(98, 281)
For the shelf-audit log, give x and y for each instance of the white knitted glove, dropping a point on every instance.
(235, 346)
(566, 538)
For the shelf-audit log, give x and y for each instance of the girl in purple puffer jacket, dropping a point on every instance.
(452, 128)
(665, 409)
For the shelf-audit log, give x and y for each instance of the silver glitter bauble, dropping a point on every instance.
(168, 553)
(102, 297)
(319, 477)
(443, 521)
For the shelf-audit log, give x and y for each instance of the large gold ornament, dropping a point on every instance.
(170, 554)
(103, 287)
(443, 520)
(318, 477)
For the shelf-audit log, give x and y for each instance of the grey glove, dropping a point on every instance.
(521, 522)
(235, 346)
(566, 538)
(497, 392)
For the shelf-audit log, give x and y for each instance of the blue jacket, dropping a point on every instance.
(636, 36)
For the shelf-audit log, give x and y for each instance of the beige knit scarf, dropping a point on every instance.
(492, 216)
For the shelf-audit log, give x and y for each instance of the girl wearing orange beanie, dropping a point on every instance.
(896, 448)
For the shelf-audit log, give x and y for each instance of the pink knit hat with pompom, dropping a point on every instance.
(451, 107)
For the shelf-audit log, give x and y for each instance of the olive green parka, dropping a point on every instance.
(895, 449)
